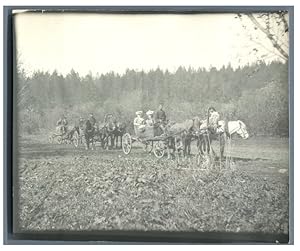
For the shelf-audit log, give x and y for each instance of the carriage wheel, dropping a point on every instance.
(126, 143)
(148, 146)
(50, 139)
(159, 149)
(75, 139)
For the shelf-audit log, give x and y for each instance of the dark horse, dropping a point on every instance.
(107, 132)
(89, 133)
(120, 130)
(182, 135)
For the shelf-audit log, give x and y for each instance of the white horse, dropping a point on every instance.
(237, 127)
(223, 132)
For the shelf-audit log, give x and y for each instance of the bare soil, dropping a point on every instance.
(59, 187)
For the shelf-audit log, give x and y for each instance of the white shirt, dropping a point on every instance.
(138, 121)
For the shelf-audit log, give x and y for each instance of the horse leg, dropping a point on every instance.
(189, 146)
(222, 146)
(117, 140)
(170, 145)
(93, 143)
(198, 154)
(183, 145)
(168, 149)
(177, 149)
(87, 141)
(112, 140)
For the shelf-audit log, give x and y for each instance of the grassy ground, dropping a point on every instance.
(62, 188)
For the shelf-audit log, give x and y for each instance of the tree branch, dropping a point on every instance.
(269, 36)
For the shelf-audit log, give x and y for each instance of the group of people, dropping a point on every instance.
(159, 119)
(62, 123)
(156, 119)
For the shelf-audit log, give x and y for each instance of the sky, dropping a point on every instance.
(100, 43)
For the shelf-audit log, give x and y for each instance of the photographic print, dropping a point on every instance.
(151, 122)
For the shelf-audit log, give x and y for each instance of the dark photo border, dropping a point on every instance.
(130, 237)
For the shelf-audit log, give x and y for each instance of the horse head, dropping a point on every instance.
(242, 130)
(196, 124)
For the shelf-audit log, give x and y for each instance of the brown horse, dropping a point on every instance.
(89, 133)
(120, 130)
(182, 134)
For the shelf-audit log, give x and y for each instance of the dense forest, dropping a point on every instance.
(256, 94)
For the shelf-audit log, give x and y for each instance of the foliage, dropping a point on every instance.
(256, 94)
(275, 28)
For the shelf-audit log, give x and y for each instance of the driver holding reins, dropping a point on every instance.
(160, 118)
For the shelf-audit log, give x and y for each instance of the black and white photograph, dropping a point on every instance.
(166, 122)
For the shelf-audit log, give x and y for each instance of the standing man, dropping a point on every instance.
(160, 117)
(213, 119)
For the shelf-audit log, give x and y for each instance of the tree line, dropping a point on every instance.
(256, 94)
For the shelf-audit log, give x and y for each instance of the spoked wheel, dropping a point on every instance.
(75, 139)
(148, 146)
(159, 149)
(126, 143)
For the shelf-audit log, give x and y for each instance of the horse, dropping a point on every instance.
(106, 131)
(66, 132)
(180, 135)
(224, 131)
(89, 133)
(120, 130)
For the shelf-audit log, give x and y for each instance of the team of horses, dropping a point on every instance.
(195, 130)
(109, 134)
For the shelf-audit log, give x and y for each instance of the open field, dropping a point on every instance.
(63, 188)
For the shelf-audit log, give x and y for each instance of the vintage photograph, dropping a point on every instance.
(151, 122)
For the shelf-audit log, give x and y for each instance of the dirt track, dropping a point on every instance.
(63, 188)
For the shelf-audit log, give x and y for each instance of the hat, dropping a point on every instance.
(149, 112)
(139, 113)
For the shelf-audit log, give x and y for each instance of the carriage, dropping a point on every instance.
(151, 140)
(71, 136)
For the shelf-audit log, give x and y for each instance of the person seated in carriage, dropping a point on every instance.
(149, 120)
(160, 118)
(139, 123)
(62, 125)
